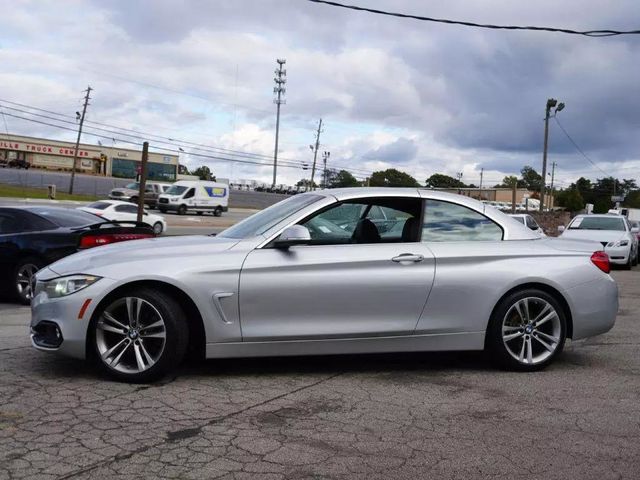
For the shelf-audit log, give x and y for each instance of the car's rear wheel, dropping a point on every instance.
(23, 274)
(527, 330)
(140, 336)
(157, 228)
(217, 212)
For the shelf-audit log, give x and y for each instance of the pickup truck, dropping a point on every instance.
(130, 192)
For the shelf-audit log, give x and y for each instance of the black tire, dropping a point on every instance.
(134, 200)
(157, 228)
(217, 212)
(162, 210)
(21, 278)
(175, 340)
(627, 266)
(506, 312)
(199, 212)
(635, 259)
(182, 209)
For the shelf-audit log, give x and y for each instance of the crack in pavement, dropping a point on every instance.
(175, 436)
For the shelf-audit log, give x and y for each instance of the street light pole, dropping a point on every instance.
(552, 102)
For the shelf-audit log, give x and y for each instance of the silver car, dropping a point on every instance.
(314, 275)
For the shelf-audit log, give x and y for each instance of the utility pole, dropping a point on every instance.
(481, 175)
(325, 157)
(459, 177)
(551, 193)
(143, 179)
(315, 152)
(279, 90)
(551, 102)
(75, 152)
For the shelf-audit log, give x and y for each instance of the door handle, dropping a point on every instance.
(408, 257)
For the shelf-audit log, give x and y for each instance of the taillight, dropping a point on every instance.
(90, 241)
(601, 260)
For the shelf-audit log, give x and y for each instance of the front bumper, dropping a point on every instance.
(618, 255)
(56, 324)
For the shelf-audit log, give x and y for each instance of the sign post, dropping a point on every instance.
(143, 179)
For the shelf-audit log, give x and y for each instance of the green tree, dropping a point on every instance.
(570, 199)
(183, 170)
(341, 179)
(203, 172)
(392, 178)
(305, 182)
(531, 179)
(633, 199)
(439, 180)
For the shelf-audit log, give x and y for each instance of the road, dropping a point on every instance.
(444, 416)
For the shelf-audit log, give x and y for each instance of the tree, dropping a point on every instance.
(570, 199)
(341, 179)
(305, 182)
(439, 180)
(531, 179)
(203, 172)
(392, 178)
(183, 170)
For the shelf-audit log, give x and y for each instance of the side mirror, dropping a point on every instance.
(561, 228)
(635, 230)
(293, 235)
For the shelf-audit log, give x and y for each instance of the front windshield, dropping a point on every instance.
(176, 190)
(597, 223)
(262, 221)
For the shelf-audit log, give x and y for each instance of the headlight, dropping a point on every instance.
(619, 243)
(63, 286)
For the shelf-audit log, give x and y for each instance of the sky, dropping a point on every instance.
(392, 93)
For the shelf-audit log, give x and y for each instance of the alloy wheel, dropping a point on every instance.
(531, 330)
(23, 280)
(130, 335)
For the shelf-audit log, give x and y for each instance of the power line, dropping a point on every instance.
(163, 140)
(587, 33)
(577, 147)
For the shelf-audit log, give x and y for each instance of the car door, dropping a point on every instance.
(468, 248)
(349, 281)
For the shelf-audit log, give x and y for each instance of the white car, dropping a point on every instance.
(118, 210)
(614, 232)
(530, 222)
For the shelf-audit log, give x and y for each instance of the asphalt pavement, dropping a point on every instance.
(405, 416)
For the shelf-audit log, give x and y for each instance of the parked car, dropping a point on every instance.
(530, 222)
(614, 232)
(290, 281)
(131, 192)
(196, 195)
(116, 210)
(33, 237)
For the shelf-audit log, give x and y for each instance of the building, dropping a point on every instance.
(92, 159)
(499, 194)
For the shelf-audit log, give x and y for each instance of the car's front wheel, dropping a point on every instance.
(527, 330)
(157, 228)
(139, 336)
(23, 274)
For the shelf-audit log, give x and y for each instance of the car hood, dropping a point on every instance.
(128, 191)
(147, 254)
(594, 235)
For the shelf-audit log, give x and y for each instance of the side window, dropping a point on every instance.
(449, 222)
(531, 223)
(9, 223)
(126, 209)
(190, 193)
(384, 220)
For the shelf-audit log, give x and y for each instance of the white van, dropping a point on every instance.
(195, 195)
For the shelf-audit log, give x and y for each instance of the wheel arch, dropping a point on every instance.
(554, 292)
(197, 336)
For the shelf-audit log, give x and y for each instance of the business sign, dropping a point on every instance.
(44, 148)
(216, 191)
(617, 198)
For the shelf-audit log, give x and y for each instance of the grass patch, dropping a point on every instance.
(31, 192)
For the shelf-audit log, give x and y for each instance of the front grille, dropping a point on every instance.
(117, 194)
(164, 200)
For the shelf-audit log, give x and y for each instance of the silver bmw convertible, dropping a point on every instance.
(358, 270)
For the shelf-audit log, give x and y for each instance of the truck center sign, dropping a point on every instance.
(45, 149)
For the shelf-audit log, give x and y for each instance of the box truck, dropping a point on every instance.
(197, 196)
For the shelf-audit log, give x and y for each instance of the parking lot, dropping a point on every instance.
(375, 416)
